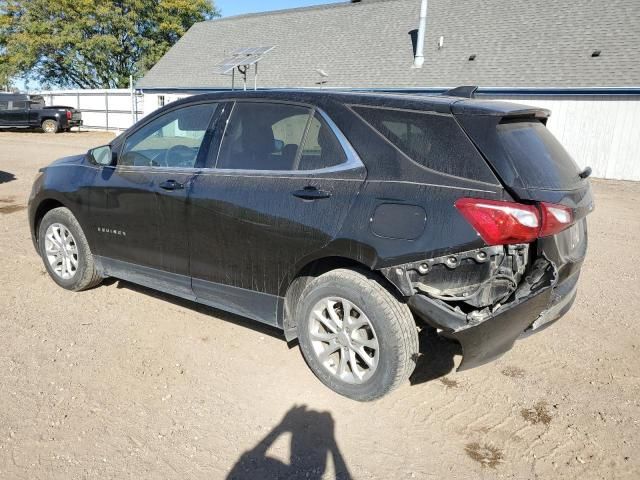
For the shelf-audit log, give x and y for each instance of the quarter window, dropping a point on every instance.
(4, 105)
(434, 141)
(321, 148)
(172, 140)
(263, 136)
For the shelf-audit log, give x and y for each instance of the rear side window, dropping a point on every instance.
(263, 136)
(538, 157)
(434, 141)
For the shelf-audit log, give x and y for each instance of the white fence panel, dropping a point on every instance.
(109, 109)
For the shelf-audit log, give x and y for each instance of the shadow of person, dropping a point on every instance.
(436, 357)
(312, 441)
(6, 177)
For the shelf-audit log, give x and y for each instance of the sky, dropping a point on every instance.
(237, 7)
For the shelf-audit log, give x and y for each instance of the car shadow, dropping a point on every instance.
(6, 177)
(436, 357)
(312, 442)
(263, 328)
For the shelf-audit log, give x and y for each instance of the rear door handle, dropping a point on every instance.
(311, 193)
(171, 185)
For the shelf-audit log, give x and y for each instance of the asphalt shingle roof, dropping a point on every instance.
(535, 43)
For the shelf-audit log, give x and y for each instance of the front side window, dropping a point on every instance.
(263, 136)
(172, 140)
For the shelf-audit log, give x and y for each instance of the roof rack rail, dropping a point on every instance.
(466, 91)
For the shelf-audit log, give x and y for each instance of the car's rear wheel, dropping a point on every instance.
(50, 126)
(356, 336)
(65, 251)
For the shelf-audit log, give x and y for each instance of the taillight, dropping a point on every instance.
(68, 114)
(501, 223)
(555, 218)
(504, 223)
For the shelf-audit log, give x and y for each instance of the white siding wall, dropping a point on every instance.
(602, 132)
(152, 101)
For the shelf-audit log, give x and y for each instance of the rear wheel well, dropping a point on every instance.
(308, 273)
(44, 207)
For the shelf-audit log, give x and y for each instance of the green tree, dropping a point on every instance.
(91, 43)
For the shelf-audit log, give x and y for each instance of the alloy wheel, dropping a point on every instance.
(61, 250)
(344, 340)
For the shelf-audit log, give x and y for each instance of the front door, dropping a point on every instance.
(281, 187)
(141, 215)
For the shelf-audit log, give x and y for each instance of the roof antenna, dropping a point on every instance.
(466, 91)
(418, 59)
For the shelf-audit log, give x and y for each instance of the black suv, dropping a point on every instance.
(349, 220)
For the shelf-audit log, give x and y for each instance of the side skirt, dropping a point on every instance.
(261, 307)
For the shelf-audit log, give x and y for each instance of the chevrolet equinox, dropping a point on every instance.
(348, 220)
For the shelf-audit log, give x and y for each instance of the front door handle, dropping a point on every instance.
(311, 193)
(171, 185)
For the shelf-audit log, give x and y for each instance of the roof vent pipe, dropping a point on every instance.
(418, 60)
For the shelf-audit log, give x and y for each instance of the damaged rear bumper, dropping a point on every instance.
(496, 334)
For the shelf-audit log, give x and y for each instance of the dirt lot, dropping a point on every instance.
(121, 382)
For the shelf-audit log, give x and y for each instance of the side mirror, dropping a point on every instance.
(102, 156)
(278, 145)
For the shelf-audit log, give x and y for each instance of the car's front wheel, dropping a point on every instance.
(356, 336)
(65, 251)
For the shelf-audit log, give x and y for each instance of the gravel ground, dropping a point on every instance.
(122, 382)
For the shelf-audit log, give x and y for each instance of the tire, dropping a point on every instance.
(59, 262)
(391, 332)
(50, 126)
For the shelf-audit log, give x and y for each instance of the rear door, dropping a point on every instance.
(276, 193)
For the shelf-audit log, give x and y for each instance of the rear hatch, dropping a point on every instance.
(533, 166)
(524, 154)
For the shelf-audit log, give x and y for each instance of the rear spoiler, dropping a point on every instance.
(496, 108)
(499, 108)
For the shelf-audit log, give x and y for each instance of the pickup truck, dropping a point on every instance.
(29, 111)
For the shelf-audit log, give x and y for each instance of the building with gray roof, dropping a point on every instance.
(579, 58)
(368, 44)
